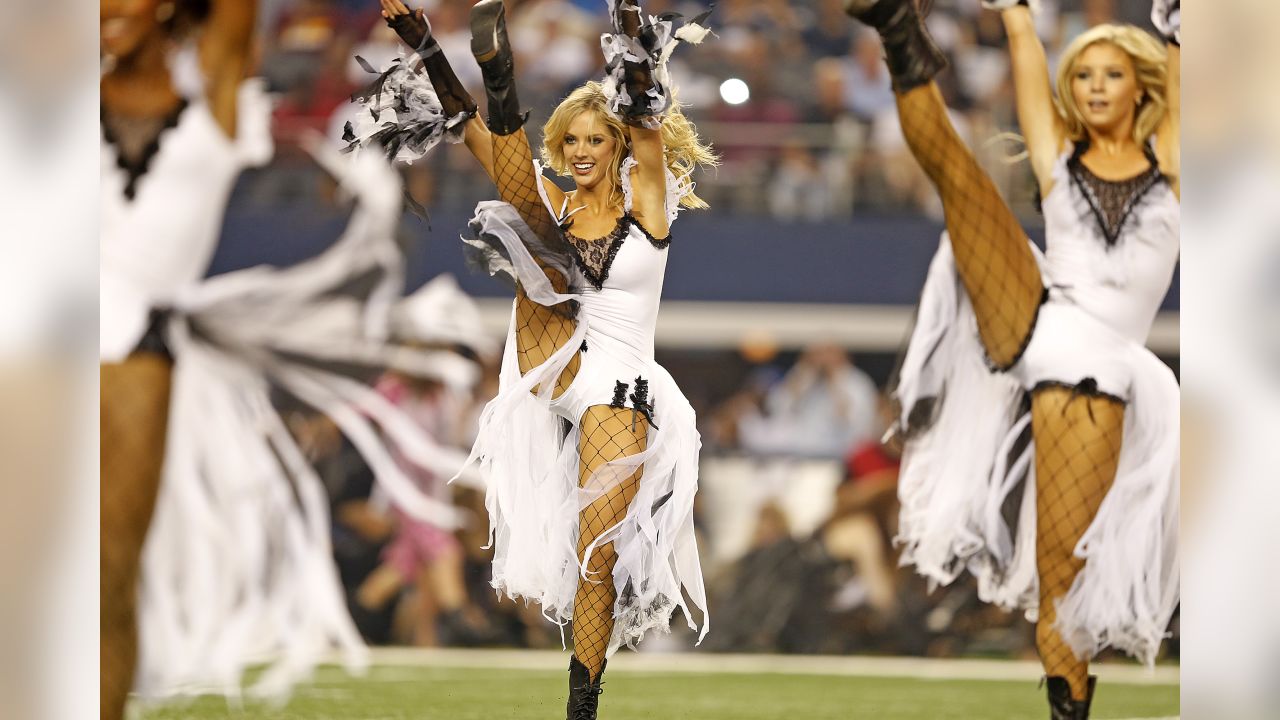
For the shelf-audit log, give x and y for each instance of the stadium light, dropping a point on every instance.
(734, 91)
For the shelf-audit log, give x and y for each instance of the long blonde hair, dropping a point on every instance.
(1150, 63)
(684, 151)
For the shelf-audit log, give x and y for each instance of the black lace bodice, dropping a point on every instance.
(594, 257)
(1113, 201)
(137, 141)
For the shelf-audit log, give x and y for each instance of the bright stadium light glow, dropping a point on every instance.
(734, 91)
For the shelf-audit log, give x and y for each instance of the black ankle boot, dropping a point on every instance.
(497, 65)
(910, 53)
(1062, 706)
(584, 695)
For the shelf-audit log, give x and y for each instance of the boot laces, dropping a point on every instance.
(586, 701)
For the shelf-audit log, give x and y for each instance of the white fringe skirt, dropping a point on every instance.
(526, 451)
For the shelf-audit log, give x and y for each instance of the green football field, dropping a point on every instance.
(437, 690)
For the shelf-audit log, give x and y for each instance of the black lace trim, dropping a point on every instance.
(1112, 201)
(993, 366)
(135, 169)
(595, 256)
(661, 244)
(1087, 387)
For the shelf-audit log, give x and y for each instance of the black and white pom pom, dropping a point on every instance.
(402, 116)
(657, 39)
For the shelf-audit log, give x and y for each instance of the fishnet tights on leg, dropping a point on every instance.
(606, 433)
(992, 255)
(540, 330)
(134, 415)
(1077, 441)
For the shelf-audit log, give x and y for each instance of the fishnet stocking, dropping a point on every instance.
(606, 433)
(994, 260)
(1077, 440)
(134, 415)
(540, 330)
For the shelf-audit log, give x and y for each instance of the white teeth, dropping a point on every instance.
(583, 166)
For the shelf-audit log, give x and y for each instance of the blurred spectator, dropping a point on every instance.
(865, 520)
(821, 408)
(828, 33)
(799, 189)
(868, 90)
(420, 554)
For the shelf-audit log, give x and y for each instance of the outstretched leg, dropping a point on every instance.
(992, 256)
(1077, 440)
(540, 330)
(134, 416)
(606, 433)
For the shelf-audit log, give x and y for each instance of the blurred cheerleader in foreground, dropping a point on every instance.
(238, 567)
(1041, 436)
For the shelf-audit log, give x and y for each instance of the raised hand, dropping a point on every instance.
(410, 25)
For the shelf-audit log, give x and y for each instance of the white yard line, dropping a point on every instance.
(854, 666)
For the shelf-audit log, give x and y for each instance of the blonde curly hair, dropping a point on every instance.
(684, 150)
(1150, 63)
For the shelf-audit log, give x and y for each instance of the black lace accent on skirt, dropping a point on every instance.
(1087, 387)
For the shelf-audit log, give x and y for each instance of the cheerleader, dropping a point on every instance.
(589, 451)
(168, 163)
(1041, 436)
(237, 566)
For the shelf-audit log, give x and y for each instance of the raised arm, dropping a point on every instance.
(649, 181)
(1166, 15)
(415, 31)
(1037, 118)
(224, 47)
(1170, 133)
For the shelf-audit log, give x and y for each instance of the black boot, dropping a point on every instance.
(497, 65)
(910, 53)
(1062, 706)
(584, 694)
(415, 31)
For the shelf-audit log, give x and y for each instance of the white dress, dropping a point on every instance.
(160, 241)
(967, 449)
(527, 445)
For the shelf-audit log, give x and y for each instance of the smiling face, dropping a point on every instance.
(1105, 88)
(126, 25)
(589, 149)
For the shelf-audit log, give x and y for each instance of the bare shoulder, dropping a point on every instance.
(555, 195)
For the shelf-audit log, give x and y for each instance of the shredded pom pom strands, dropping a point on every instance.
(402, 113)
(650, 49)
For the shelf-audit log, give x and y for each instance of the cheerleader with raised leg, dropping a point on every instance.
(1041, 436)
(589, 451)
